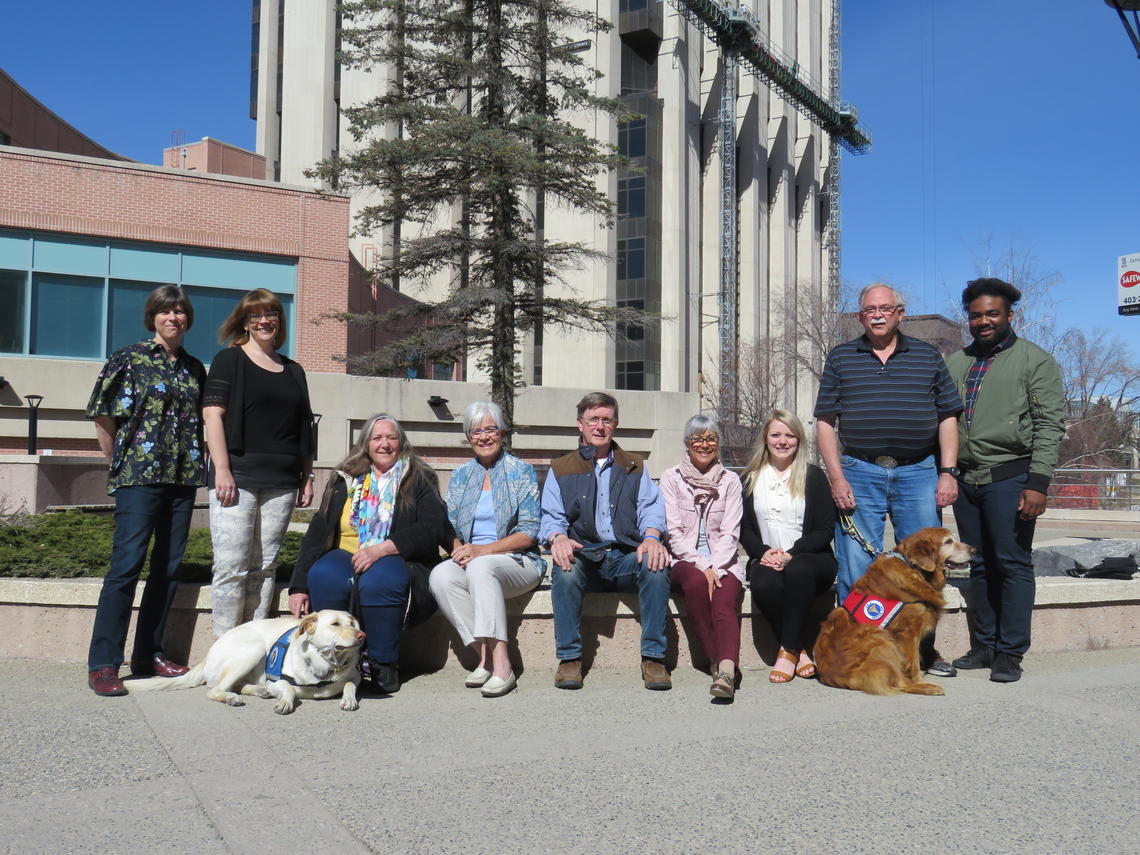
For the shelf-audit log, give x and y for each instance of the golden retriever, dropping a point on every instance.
(321, 661)
(884, 660)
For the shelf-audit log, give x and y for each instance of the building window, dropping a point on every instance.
(632, 5)
(631, 332)
(638, 73)
(631, 138)
(84, 299)
(631, 197)
(631, 258)
(630, 374)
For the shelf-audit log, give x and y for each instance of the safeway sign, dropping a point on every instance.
(1128, 277)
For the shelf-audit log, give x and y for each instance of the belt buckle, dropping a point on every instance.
(886, 462)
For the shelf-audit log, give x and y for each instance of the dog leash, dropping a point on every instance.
(847, 524)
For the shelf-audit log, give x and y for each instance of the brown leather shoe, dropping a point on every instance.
(106, 682)
(655, 675)
(158, 666)
(569, 674)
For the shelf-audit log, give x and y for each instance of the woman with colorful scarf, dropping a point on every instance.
(373, 544)
(702, 510)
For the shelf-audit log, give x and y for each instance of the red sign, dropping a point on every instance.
(1130, 278)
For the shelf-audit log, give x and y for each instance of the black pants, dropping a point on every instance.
(785, 596)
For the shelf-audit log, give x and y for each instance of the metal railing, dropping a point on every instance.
(1095, 489)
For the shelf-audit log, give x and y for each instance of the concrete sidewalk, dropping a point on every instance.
(1047, 765)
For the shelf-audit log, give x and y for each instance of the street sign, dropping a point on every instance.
(1128, 284)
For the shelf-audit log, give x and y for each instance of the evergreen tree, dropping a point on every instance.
(474, 128)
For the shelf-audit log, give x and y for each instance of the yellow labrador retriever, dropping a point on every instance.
(317, 656)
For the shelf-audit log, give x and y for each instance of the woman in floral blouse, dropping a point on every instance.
(146, 408)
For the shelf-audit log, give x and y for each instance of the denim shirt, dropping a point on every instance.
(514, 490)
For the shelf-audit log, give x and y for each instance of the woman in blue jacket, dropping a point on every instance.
(492, 504)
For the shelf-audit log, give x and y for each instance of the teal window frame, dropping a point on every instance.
(117, 265)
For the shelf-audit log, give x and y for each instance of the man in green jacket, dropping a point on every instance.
(1009, 435)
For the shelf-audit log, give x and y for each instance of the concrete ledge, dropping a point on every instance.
(51, 620)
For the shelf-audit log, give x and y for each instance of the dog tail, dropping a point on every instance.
(196, 676)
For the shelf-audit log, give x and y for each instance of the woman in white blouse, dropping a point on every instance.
(786, 529)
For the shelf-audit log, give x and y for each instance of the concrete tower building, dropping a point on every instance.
(666, 250)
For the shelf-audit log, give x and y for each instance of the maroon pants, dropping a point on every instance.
(716, 621)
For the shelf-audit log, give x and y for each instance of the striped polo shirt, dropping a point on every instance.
(890, 408)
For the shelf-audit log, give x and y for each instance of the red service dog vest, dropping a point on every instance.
(869, 609)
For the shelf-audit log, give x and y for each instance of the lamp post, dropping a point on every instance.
(1131, 27)
(33, 420)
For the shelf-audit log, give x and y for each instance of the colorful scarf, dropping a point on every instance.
(373, 502)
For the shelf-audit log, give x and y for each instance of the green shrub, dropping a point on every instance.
(74, 543)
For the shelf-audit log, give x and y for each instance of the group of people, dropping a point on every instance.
(900, 433)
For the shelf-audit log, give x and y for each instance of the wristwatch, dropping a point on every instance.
(949, 470)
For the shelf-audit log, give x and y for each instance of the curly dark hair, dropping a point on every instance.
(989, 286)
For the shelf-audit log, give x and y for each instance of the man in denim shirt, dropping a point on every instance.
(603, 518)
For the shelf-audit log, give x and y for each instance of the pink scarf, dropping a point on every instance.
(705, 485)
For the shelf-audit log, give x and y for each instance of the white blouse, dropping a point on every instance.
(780, 516)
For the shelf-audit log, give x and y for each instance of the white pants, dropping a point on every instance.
(474, 600)
(246, 537)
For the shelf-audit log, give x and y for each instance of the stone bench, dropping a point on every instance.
(51, 619)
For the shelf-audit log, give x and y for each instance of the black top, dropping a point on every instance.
(892, 408)
(819, 519)
(418, 531)
(268, 419)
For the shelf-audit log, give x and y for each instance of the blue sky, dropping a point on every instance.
(1013, 122)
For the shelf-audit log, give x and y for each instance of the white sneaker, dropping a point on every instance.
(497, 686)
(477, 678)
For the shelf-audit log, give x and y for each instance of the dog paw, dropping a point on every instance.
(283, 708)
(263, 692)
(349, 704)
(235, 701)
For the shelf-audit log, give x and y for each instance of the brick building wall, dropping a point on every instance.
(87, 196)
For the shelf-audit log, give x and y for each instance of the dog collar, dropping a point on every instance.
(905, 561)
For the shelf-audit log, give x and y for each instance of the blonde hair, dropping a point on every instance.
(760, 455)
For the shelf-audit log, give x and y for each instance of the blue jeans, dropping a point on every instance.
(384, 591)
(1002, 584)
(617, 571)
(907, 493)
(162, 511)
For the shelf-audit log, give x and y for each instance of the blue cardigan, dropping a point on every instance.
(514, 491)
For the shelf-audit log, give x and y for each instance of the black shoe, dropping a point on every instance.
(977, 658)
(1006, 669)
(941, 668)
(385, 677)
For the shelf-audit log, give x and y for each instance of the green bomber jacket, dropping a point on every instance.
(1019, 416)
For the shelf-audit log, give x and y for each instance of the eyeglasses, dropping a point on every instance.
(704, 441)
(489, 432)
(267, 316)
(594, 421)
(868, 311)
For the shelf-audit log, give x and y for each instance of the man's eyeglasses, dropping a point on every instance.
(594, 421)
(489, 432)
(260, 316)
(869, 311)
(704, 441)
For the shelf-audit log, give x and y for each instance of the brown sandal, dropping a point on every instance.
(807, 670)
(723, 686)
(775, 676)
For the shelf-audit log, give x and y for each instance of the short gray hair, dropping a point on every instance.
(896, 295)
(699, 424)
(476, 414)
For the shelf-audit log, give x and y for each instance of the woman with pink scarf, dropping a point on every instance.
(702, 509)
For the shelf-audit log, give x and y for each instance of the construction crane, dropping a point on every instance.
(735, 31)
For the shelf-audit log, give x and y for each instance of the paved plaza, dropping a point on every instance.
(1047, 765)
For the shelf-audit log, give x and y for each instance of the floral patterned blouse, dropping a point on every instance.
(156, 405)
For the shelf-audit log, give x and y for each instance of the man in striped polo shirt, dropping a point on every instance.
(890, 400)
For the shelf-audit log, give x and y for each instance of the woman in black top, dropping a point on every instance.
(259, 432)
(786, 529)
